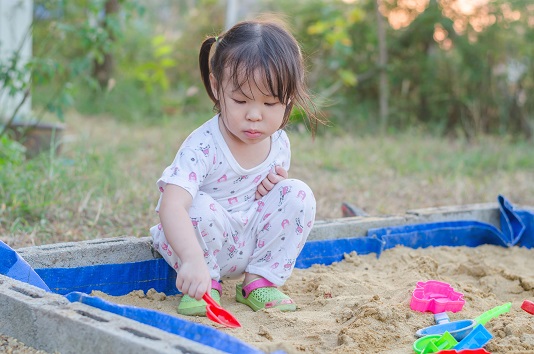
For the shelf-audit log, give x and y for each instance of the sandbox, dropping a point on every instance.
(67, 319)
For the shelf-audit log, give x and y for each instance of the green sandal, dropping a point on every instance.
(189, 306)
(262, 294)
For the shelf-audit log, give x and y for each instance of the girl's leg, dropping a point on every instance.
(282, 224)
(220, 236)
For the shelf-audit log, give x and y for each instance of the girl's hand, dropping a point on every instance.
(268, 182)
(194, 279)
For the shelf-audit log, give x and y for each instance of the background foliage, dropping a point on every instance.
(126, 82)
(452, 69)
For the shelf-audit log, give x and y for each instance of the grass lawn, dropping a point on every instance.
(103, 182)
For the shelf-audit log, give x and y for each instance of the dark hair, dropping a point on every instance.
(264, 45)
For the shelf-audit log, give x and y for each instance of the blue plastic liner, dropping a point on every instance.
(517, 229)
(112, 279)
(13, 266)
(196, 332)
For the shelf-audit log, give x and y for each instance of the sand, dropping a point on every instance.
(361, 304)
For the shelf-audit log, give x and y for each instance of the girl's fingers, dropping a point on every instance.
(184, 287)
(262, 190)
(281, 172)
(201, 289)
(269, 183)
(273, 178)
(197, 292)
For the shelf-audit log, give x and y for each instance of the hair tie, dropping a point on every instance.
(217, 39)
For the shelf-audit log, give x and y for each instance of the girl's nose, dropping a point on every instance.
(254, 115)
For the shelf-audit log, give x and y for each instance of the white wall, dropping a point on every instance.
(15, 20)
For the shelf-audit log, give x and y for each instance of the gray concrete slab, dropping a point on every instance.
(51, 323)
(87, 253)
(136, 249)
(487, 213)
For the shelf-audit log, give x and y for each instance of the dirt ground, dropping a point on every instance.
(361, 304)
(11, 345)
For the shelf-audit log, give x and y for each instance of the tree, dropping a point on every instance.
(103, 66)
(382, 67)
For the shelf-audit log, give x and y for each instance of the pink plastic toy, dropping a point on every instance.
(436, 296)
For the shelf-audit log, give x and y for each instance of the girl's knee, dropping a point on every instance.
(295, 192)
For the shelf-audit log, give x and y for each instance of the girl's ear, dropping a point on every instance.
(214, 86)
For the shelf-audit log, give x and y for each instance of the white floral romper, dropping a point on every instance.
(238, 233)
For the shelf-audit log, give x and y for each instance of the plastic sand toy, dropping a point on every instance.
(218, 314)
(434, 343)
(477, 338)
(460, 329)
(465, 351)
(421, 343)
(528, 306)
(436, 296)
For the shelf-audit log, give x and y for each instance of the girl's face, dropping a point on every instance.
(249, 113)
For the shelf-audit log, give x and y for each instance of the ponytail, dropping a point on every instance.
(204, 63)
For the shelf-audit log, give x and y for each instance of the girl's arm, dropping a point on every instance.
(268, 182)
(193, 278)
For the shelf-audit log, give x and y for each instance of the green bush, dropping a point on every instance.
(11, 153)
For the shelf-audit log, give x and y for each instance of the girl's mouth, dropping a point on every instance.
(252, 134)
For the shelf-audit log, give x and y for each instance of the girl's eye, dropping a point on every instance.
(238, 102)
(270, 104)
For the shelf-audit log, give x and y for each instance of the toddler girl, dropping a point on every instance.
(227, 208)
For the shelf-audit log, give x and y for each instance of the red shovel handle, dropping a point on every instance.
(209, 300)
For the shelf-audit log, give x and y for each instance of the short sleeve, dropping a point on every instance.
(188, 171)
